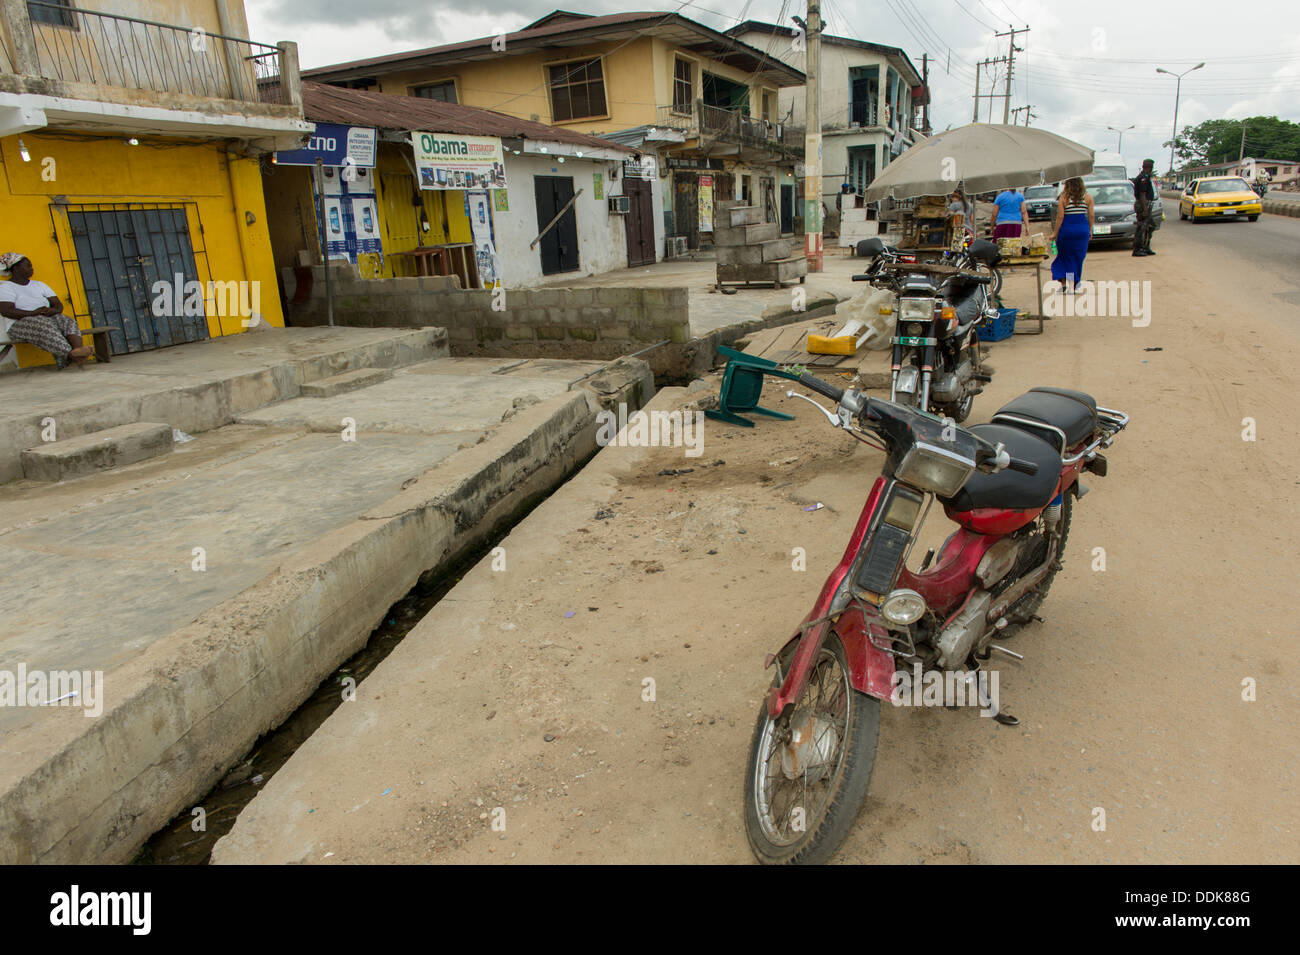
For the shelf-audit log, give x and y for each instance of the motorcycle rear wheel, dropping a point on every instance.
(802, 798)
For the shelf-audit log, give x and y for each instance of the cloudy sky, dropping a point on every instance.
(1085, 66)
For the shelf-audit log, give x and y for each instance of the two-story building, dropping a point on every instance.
(1281, 172)
(869, 97)
(129, 157)
(702, 105)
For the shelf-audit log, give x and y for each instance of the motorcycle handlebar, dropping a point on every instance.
(821, 387)
(1024, 467)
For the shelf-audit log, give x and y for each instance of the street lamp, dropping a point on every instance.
(1119, 146)
(1177, 90)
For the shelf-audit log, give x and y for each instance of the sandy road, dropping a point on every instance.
(1130, 696)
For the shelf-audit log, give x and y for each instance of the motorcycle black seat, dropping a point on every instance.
(1073, 412)
(982, 250)
(1011, 489)
(870, 248)
(965, 299)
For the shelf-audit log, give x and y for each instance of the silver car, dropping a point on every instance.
(1113, 218)
(1040, 202)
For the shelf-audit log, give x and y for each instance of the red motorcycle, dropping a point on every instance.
(1009, 486)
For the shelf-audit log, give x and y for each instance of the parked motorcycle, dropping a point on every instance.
(1010, 487)
(936, 364)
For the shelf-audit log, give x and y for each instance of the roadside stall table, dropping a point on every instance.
(1023, 263)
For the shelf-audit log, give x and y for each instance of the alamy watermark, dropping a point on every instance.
(651, 429)
(1102, 300)
(181, 297)
(24, 687)
(947, 688)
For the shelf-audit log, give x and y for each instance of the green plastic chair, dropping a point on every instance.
(742, 384)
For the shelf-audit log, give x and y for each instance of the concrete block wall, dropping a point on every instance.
(583, 323)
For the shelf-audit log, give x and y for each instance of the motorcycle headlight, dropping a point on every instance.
(935, 469)
(915, 309)
(915, 330)
(903, 607)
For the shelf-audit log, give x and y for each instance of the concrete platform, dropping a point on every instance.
(213, 588)
(195, 387)
(97, 451)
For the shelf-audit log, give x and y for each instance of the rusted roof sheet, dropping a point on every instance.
(322, 103)
(555, 33)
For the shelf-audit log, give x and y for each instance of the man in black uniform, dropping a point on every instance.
(1144, 197)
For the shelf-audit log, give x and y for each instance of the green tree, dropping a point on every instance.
(1220, 140)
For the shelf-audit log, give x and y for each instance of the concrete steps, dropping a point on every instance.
(348, 381)
(97, 451)
(197, 387)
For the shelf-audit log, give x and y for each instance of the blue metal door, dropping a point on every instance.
(122, 253)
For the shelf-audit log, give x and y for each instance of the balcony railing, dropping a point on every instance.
(863, 114)
(106, 49)
(733, 126)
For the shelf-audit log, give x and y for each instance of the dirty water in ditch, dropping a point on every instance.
(178, 844)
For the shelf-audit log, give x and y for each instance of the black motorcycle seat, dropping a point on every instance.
(1011, 489)
(982, 250)
(965, 300)
(1074, 412)
(870, 248)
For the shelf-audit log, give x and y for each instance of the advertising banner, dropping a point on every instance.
(706, 203)
(478, 206)
(333, 144)
(448, 161)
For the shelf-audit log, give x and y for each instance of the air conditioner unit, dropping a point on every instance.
(619, 205)
(674, 246)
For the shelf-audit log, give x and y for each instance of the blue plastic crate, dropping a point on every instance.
(1003, 327)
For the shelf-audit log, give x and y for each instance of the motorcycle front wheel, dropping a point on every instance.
(809, 769)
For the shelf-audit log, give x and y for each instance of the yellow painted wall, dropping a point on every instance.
(638, 80)
(86, 170)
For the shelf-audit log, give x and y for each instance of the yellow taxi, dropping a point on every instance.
(1218, 197)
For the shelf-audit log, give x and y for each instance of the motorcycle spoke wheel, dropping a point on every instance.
(809, 769)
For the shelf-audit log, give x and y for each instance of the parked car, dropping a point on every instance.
(1113, 218)
(1041, 202)
(1219, 197)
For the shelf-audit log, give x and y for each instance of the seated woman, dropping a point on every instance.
(36, 313)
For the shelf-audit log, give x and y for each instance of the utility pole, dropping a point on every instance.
(975, 114)
(1022, 109)
(1242, 155)
(1012, 50)
(925, 83)
(812, 156)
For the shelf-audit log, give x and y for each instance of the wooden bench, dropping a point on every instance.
(97, 333)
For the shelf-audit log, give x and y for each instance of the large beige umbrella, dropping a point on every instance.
(981, 157)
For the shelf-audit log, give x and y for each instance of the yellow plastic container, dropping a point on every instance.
(822, 345)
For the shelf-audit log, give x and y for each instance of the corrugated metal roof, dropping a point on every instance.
(322, 103)
(647, 22)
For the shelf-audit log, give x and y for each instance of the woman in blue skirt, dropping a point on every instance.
(1071, 232)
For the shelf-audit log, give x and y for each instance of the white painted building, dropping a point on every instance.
(601, 233)
(869, 95)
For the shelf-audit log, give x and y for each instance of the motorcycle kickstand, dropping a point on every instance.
(986, 702)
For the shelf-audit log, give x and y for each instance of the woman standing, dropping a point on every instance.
(37, 314)
(1013, 215)
(1071, 232)
(959, 205)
